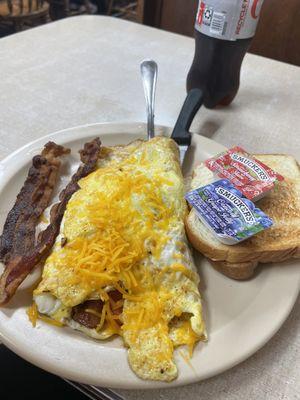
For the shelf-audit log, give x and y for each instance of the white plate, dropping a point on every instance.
(240, 316)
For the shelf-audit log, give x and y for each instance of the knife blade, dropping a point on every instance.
(181, 134)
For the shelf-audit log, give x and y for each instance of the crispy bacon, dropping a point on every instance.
(89, 156)
(20, 265)
(18, 235)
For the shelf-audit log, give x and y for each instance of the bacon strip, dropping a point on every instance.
(83, 316)
(21, 265)
(18, 235)
(86, 318)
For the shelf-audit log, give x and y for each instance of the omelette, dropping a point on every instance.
(121, 264)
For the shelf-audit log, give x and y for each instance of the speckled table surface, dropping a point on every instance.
(85, 69)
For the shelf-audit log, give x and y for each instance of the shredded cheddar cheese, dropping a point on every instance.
(33, 316)
(117, 227)
(44, 219)
(102, 319)
(50, 321)
(32, 313)
(129, 203)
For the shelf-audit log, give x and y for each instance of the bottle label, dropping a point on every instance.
(228, 19)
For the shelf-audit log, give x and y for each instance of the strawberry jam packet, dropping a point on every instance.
(252, 177)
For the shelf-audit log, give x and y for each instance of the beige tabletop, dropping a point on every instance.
(86, 69)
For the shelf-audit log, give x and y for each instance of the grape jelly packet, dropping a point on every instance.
(227, 213)
(252, 177)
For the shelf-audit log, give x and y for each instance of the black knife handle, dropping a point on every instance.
(193, 102)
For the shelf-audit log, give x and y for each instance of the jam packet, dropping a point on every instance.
(227, 213)
(252, 177)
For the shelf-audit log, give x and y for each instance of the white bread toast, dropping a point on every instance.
(278, 243)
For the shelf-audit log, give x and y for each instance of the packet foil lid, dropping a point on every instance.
(252, 177)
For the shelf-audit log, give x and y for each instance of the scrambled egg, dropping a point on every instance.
(124, 230)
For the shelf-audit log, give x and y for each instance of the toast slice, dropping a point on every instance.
(279, 243)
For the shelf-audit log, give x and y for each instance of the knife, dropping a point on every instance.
(181, 134)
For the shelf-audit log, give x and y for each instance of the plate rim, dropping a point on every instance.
(35, 359)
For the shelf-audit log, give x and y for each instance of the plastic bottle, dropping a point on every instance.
(224, 30)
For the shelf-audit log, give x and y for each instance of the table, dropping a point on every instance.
(86, 69)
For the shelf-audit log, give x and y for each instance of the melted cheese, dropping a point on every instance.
(184, 335)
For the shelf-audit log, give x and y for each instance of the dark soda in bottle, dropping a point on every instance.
(223, 33)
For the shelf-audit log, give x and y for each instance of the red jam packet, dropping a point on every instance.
(252, 177)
